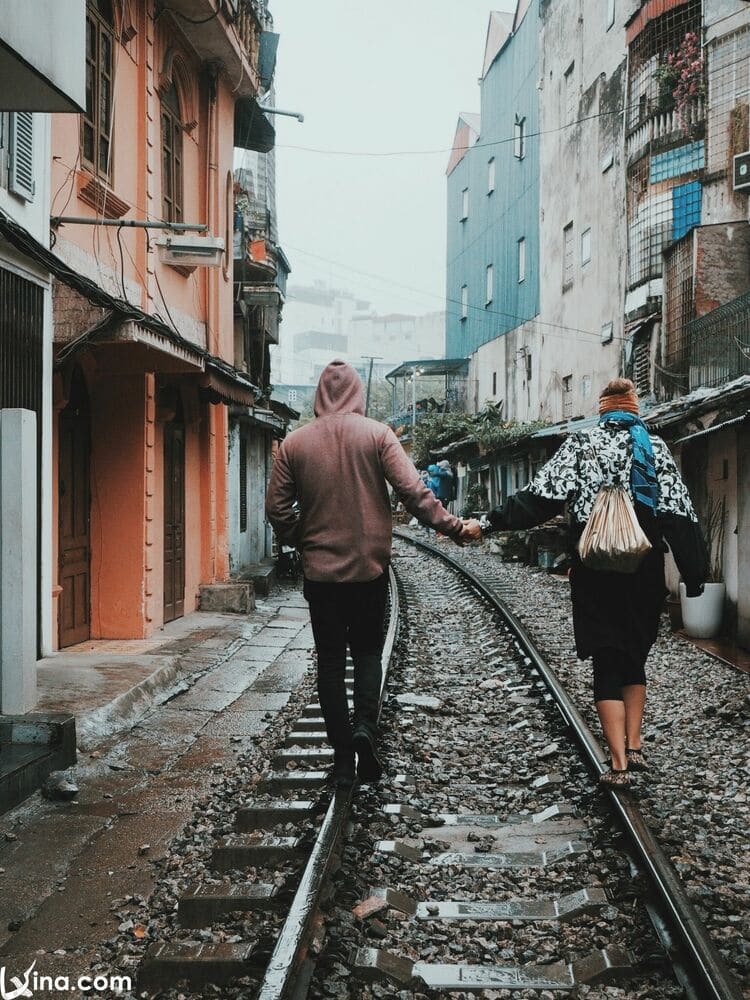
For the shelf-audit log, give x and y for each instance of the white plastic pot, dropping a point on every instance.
(702, 615)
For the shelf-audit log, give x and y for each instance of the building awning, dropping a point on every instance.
(566, 427)
(431, 366)
(220, 383)
(252, 130)
(259, 416)
(744, 418)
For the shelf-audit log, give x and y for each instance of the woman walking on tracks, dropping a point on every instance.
(616, 613)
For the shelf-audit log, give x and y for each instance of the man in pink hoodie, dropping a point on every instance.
(337, 468)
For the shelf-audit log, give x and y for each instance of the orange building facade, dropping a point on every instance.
(144, 321)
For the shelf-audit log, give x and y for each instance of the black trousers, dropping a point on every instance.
(348, 615)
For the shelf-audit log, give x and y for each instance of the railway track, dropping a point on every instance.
(288, 797)
(434, 858)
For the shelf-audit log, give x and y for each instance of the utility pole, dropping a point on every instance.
(372, 358)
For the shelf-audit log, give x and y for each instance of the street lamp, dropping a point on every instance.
(415, 372)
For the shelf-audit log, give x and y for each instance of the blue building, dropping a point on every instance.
(493, 192)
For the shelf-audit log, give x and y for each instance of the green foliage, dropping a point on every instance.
(436, 430)
(475, 499)
(487, 429)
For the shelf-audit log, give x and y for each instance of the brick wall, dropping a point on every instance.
(72, 313)
(722, 270)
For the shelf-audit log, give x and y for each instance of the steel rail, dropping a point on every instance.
(715, 980)
(288, 971)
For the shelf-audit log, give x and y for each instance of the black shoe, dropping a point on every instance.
(341, 774)
(369, 767)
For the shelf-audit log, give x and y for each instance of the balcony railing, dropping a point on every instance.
(664, 126)
(719, 344)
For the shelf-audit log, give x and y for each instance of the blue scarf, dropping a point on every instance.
(643, 479)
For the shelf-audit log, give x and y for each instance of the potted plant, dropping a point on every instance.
(702, 615)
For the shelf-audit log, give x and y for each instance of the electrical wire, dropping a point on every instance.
(434, 295)
(122, 263)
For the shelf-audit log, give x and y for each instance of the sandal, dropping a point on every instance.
(615, 779)
(636, 760)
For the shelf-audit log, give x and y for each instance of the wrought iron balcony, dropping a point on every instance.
(719, 344)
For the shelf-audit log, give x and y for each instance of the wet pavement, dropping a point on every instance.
(64, 865)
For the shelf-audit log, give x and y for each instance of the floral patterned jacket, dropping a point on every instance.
(581, 466)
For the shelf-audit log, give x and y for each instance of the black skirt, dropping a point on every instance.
(618, 610)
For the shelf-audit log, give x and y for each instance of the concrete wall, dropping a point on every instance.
(50, 71)
(252, 545)
(582, 78)
(18, 553)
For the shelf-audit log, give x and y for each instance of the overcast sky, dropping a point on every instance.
(372, 77)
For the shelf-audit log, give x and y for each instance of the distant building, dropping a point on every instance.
(322, 323)
(493, 221)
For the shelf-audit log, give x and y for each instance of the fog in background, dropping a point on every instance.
(372, 77)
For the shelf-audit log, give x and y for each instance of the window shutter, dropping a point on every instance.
(21, 175)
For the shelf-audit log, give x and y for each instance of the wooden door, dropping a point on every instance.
(74, 619)
(174, 520)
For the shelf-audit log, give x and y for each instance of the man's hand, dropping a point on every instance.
(472, 530)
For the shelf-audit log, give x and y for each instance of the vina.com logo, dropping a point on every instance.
(32, 982)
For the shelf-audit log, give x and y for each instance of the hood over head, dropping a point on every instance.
(339, 390)
(432, 469)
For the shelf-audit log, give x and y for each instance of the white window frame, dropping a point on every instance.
(586, 246)
(519, 138)
(464, 301)
(607, 333)
(489, 284)
(491, 175)
(522, 259)
(610, 14)
(464, 204)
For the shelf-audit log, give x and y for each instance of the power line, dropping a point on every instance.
(483, 310)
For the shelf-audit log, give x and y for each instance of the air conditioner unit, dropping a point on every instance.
(183, 251)
(741, 172)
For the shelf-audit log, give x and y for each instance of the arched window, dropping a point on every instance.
(171, 155)
(96, 132)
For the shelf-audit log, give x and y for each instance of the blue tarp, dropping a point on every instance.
(686, 208)
(675, 162)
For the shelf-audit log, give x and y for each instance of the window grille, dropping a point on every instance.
(679, 308)
(642, 367)
(664, 136)
(568, 256)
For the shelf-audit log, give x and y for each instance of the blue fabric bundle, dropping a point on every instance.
(643, 479)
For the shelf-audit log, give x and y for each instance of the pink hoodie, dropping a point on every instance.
(336, 468)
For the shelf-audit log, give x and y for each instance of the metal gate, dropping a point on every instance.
(21, 333)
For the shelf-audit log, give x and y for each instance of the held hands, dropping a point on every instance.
(471, 531)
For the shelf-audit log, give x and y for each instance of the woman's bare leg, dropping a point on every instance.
(634, 699)
(612, 718)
